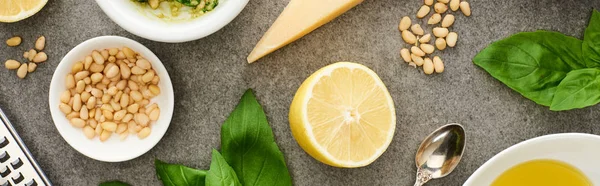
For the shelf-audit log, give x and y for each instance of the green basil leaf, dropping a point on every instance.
(179, 175)
(220, 172)
(114, 183)
(532, 63)
(248, 145)
(581, 88)
(591, 41)
(192, 3)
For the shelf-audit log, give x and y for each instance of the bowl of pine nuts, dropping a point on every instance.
(111, 98)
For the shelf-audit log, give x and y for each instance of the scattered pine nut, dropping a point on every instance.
(12, 64)
(32, 54)
(440, 32)
(428, 66)
(405, 54)
(40, 43)
(416, 29)
(438, 64)
(417, 59)
(31, 67)
(405, 23)
(428, 2)
(417, 51)
(22, 71)
(407, 36)
(448, 21)
(427, 48)
(454, 5)
(440, 8)
(434, 19)
(465, 8)
(423, 11)
(13, 41)
(440, 43)
(452, 39)
(425, 39)
(40, 57)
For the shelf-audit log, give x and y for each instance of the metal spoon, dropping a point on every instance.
(440, 153)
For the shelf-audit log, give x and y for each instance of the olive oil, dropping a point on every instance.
(542, 173)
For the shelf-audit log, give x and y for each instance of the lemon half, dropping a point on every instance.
(343, 115)
(16, 10)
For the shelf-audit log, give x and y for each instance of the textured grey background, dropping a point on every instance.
(211, 74)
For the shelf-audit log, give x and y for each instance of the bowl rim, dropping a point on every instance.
(225, 13)
(506, 154)
(151, 141)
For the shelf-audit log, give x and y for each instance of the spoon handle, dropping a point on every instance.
(422, 177)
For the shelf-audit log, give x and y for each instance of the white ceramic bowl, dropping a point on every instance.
(127, 15)
(112, 150)
(578, 150)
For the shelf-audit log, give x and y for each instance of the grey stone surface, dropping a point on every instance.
(209, 76)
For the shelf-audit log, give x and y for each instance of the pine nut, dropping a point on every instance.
(121, 128)
(32, 54)
(440, 8)
(425, 39)
(141, 119)
(98, 59)
(77, 122)
(121, 85)
(417, 59)
(154, 114)
(434, 19)
(150, 108)
(85, 96)
(77, 102)
(454, 5)
(144, 64)
(113, 51)
(155, 80)
(452, 39)
(88, 132)
(427, 66)
(80, 86)
(423, 11)
(40, 57)
(22, 71)
(139, 71)
(83, 114)
(127, 118)
(72, 115)
(98, 130)
(125, 71)
(408, 37)
(26, 54)
(465, 8)
(98, 114)
(12, 64)
(13, 41)
(438, 64)
(120, 55)
(427, 48)
(70, 81)
(81, 75)
(428, 2)
(155, 90)
(405, 54)
(91, 103)
(105, 135)
(118, 116)
(448, 20)
(109, 126)
(65, 96)
(136, 95)
(92, 123)
(130, 54)
(133, 108)
(40, 43)
(145, 132)
(31, 67)
(112, 72)
(104, 54)
(440, 43)
(440, 32)
(417, 51)
(64, 108)
(416, 29)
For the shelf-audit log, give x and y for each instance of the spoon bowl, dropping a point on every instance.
(440, 153)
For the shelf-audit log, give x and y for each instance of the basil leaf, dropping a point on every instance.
(591, 41)
(220, 172)
(581, 88)
(192, 3)
(179, 175)
(114, 183)
(248, 145)
(532, 63)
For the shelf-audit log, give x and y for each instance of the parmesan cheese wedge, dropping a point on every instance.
(299, 18)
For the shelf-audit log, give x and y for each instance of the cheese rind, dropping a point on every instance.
(299, 18)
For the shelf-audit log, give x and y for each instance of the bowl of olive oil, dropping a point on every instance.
(568, 159)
